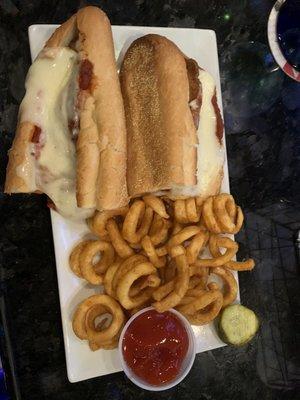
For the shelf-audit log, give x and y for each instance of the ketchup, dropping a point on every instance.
(155, 345)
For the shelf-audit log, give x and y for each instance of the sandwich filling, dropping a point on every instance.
(50, 104)
(210, 151)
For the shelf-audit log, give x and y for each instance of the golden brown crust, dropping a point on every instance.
(161, 136)
(64, 34)
(87, 152)
(96, 45)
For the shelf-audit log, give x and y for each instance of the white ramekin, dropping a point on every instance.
(186, 364)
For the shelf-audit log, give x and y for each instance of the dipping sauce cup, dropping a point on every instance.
(157, 350)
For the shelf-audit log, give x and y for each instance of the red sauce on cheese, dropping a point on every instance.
(220, 126)
(36, 134)
(155, 345)
(85, 75)
(195, 97)
(36, 140)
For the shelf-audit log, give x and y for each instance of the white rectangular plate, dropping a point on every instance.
(82, 363)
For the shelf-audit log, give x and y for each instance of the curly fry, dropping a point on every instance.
(159, 230)
(219, 241)
(185, 234)
(93, 273)
(247, 265)
(124, 285)
(110, 343)
(137, 214)
(187, 211)
(196, 246)
(151, 281)
(176, 251)
(150, 250)
(204, 308)
(209, 216)
(197, 281)
(109, 276)
(177, 227)
(180, 212)
(168, 271)
(180, 287)
(161, 251)
(192, 211)
(86, 313)
(222, 215)
(230, 285)
(125, 266)
(157, 205)
(198, 277)
(163, 290)
(120, 245)
(97, 223)
(75, 255)
(230, 216)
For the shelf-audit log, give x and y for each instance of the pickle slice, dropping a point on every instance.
(237, 325)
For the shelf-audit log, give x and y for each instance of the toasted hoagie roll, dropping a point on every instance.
(174, 125)
(70, 141)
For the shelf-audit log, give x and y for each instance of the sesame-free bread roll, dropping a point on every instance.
(174, 126)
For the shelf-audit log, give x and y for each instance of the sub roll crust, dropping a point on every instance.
(174, 126)
(162, 137)
(103, 112)
(70, 141)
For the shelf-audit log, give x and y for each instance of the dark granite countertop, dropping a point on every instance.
(262, 119)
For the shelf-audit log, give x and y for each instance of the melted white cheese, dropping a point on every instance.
(49, 103)
(27, 168)
(210, 154)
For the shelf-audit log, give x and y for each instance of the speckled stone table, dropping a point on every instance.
(262, 120)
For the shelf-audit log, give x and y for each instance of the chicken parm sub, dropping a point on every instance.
(174, 125)
(70, 141)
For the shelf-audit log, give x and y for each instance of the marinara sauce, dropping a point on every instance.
(155, 345)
